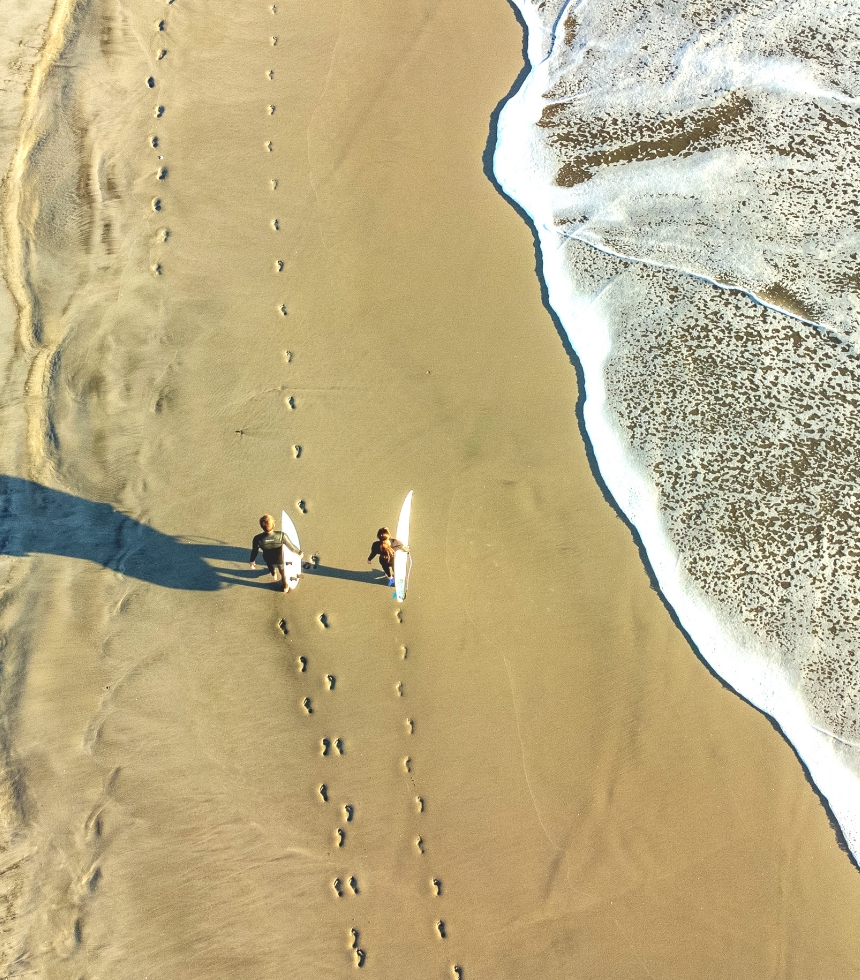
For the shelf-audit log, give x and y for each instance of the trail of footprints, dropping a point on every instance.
(420, 844)
(345, 886)
(440, 927)
(161, 170)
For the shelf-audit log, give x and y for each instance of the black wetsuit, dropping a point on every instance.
(269, 542)
(376, 549)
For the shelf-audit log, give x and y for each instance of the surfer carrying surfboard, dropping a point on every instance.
(272, 543)
(384, 547)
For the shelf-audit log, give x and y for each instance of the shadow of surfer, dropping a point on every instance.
(35, 519)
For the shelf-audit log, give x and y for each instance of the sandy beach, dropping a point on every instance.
(260, 264)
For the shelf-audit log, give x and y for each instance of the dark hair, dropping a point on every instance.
(381, 531)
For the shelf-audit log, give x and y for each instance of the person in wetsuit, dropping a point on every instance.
(269, 542)
(384, 547)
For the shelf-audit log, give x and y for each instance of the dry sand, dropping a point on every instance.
(591, 801)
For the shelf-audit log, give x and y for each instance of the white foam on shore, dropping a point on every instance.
(632, 209)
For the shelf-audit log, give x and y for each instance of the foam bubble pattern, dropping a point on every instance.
(691, 169)
(717, 138)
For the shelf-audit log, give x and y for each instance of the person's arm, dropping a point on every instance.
(398, 546)
(255, 550)
(289, 545)
(374, 551)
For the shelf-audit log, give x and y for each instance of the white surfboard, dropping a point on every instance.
(292, 563)
(402, 560)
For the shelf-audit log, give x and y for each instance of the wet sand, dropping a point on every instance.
(531, 736)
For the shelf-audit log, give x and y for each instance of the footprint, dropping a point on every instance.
(410, 726)
(419, 804)
(330, 681)
(440, 928)
(338, 744)
(274, 40)
(302, 506)
(437, 887)
(159, 111)
(94, 824)
(323, 792)
(92, 882)
(457, 971)
(282, 310)
(353, 884)
(290, 402)
(153, 142)
(360, 957)
(156, 269)
(288, 356)
(270, 74)
(315, 560)
(419, 844)
(156, 204)
(326, 745)
(303, 664)
(160, 54)
(78, 932)
(323, 621)
(297, 451)
(271, 109)
(274, 9)
(348, 811)
(354, 936)
(399, 688)
(163, 234)
(150, 82)
(279, 266)
(403, 653)
(339, 837)
(337, 885)
(160, 25)
(276, 224)
(268, 146)
(161, 173)
(306, 704)
(407, 764)
(282, 626)
(398, 615)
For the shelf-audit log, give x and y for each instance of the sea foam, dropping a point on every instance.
(691, 170)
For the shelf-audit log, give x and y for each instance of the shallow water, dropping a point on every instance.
(692, 170)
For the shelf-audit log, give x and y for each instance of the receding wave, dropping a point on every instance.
(692, 170)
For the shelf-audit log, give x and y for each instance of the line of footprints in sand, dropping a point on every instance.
(331, 747)
(347, 886)
(161, 174)
(279, 265)
(162, 234)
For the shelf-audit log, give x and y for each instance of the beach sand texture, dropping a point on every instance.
(259, 265)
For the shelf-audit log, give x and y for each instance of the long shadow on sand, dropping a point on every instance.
(35, 519)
